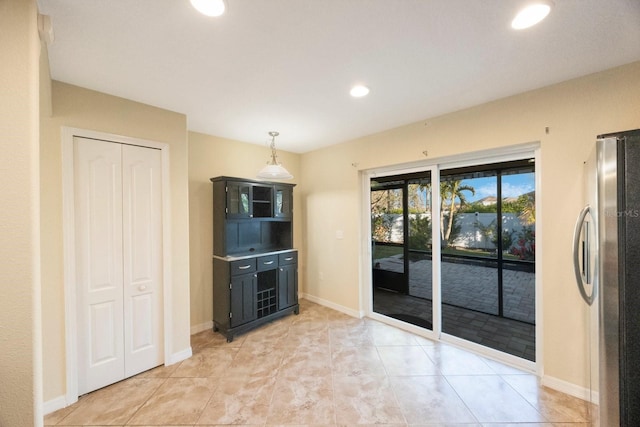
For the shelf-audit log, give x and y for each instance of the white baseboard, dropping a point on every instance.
(61, 402)
(54, 404)
(179, 356)
(569, 388)
(329, 304)
(201, 327)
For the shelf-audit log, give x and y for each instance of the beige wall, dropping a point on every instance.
(20, 332)
(575, 112)
(86, 109)
(209, 157)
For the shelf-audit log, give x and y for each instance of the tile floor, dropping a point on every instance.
(325, 368)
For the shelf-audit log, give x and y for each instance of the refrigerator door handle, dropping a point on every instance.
(582, 274)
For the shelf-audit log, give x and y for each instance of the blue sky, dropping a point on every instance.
(512, 186)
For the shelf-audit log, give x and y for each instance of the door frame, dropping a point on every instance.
(508, 153)
(68, 226)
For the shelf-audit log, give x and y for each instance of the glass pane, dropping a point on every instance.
(471, 286)
(388, 252)
(279, 202)
(519, 215)
(488, 279)
(519, 246)
(238, 199)
(468, 215)
(419, 308)
(386, 216)
(401, 237)
(244, 200)
(469, 268)
(387, 231)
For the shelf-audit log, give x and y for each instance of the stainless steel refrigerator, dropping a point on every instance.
(607, 267)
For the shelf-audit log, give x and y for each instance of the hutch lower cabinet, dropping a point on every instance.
(255, 268)
(250, 291)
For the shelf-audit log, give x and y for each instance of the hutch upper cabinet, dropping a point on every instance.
(255, 268)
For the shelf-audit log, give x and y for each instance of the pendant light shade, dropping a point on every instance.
(530, 15)
(209, 7)
(273, 169)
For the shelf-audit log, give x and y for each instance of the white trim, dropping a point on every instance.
(54, 404)
(416, 330)
(570, 389)
(333, 305)
(492, 155)
(68, 227)
(179, 356)
(490, 353)
(69, 257)
(436, 270)
(538, 268)
(366, 269)
(201, 327)
(167, 273)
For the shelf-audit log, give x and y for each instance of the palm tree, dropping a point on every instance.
(450, 192)
(528, 213)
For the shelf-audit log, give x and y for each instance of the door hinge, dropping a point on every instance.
(230, 315)
(226, 210)
(226, 189)
(230, 285)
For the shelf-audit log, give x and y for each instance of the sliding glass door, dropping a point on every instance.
(486, 219)
(488, 255)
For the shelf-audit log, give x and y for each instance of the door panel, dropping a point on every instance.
(104, 337)
(243, 299)
(238, 200)
(118, 216)
(142, 242)
(142, 331)
(287, 286)
(401, 247)
(98, 207)
(488, 255)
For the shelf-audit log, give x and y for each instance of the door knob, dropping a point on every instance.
(142, 287)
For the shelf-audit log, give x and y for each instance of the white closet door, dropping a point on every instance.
(118, 217)
(142, 243)
(99, 270)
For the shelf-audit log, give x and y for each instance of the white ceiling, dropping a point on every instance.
(287, 65)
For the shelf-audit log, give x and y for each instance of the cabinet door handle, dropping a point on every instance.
(288, 259)
(267, 262)
(244, 267)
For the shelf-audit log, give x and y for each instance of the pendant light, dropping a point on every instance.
(209, 7)
(273, 169)
(530, 15)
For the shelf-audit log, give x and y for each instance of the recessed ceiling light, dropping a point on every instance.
(358, 91)
(209, 7)
(531, 14)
